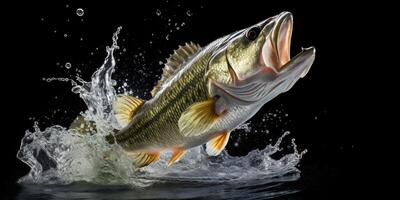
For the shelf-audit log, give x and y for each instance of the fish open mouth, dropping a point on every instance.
(276, 71)
(276, 49)
(275, 54)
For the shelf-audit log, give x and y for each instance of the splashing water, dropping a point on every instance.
(57, 155)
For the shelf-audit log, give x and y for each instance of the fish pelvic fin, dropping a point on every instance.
(142, 159)
(125, 107)
(177, 154)
(198, 118)
(215, 146)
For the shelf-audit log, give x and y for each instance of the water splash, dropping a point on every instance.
(245, 126)
(57, 155)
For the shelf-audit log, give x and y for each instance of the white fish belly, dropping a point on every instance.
(235, 116)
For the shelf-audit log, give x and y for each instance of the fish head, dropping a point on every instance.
(259, 60)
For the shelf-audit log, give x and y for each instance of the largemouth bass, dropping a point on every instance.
(206, 92)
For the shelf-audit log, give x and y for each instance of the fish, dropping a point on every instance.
(206, 92)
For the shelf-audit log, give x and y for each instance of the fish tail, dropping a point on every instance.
(110, 138)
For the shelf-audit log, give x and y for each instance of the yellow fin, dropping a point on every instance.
(83, 126)
(125, 107)
(198, 118)
(174, 63)
(217, 144)
(176, 156)
(142, 159)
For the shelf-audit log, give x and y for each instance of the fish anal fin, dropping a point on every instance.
(217, 144)
(177, 154)
(198, 118)
(142, 159)
(175, 62)
(125, 107)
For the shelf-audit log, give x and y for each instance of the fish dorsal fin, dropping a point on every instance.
(174, 62)
(125, 107)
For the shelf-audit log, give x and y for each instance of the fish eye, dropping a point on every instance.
(252, 34)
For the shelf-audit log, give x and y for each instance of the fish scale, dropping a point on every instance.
(158, 118)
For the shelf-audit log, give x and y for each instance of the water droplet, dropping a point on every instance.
(158, 12)
(177, 28)
(68, 65)
(65, 35)
(189, 13)
(183, 24)
(81, 39)
(80, 12)
(160, 62)
(42, 19)
(67, 6)
(167, 37)
(76, 89)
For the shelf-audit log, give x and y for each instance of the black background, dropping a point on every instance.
(330, 111)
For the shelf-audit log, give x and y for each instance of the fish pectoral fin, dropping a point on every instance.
(142, 159)
(198, 118)
(175, 62)
(125, 107)
(177, 154)
(215, 146)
